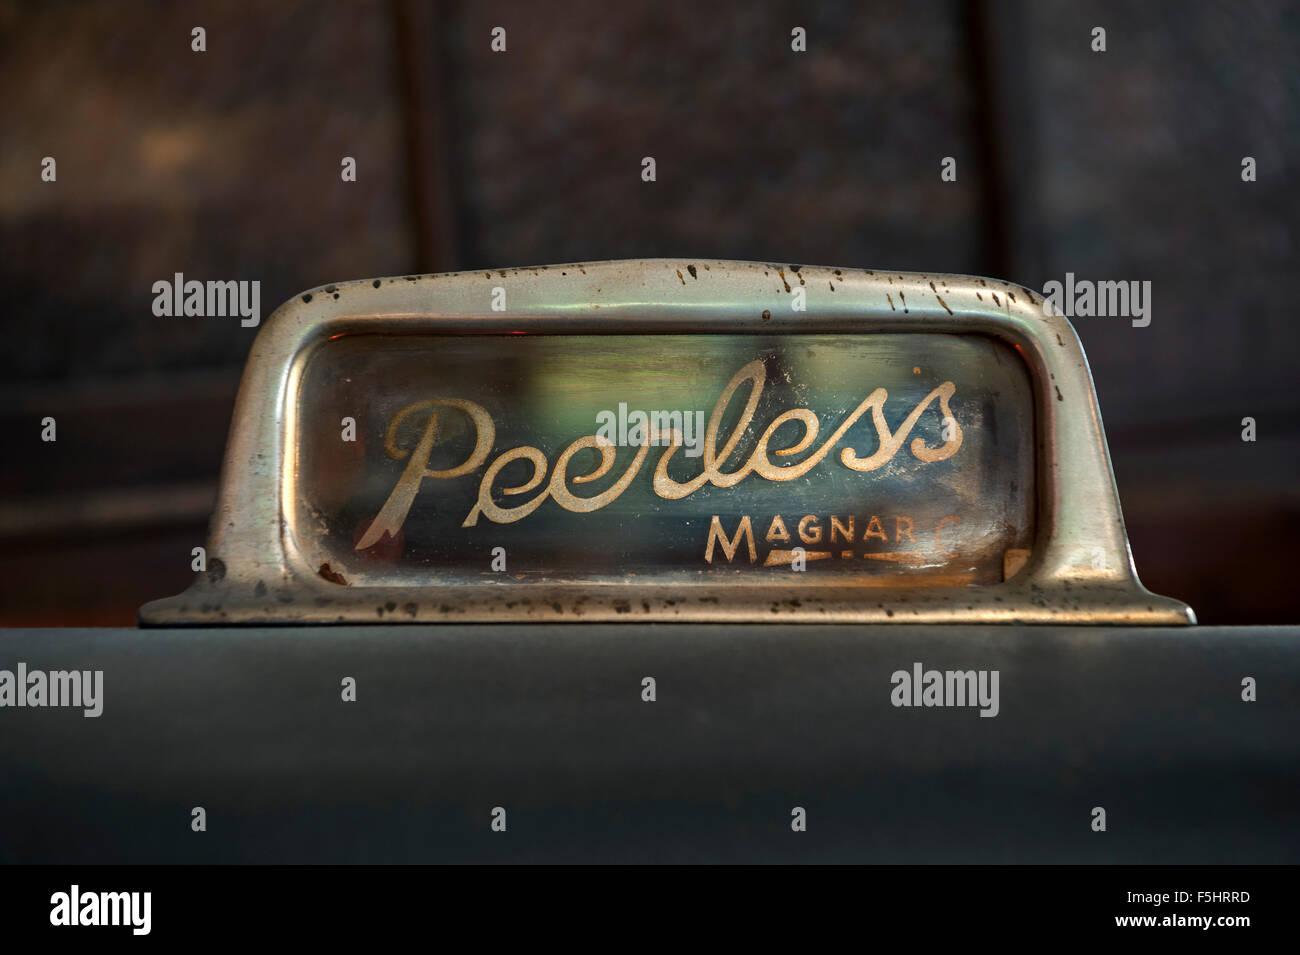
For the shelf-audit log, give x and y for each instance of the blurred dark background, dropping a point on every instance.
(225, 165)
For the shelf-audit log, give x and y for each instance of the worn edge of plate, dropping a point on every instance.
(253, 578)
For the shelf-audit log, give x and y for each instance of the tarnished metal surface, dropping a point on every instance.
(931, 442)
(430, 485)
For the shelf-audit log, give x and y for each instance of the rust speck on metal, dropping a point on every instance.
(331, 576)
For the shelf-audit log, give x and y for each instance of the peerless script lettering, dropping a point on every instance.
(393, 514)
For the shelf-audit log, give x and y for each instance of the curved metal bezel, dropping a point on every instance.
(1081, 570)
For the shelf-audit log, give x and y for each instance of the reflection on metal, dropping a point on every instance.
(663, 440)
(609, 457)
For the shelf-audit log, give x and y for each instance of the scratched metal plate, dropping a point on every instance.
(912, 462)
(396, 439)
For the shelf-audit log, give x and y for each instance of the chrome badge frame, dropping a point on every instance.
(1079, 569)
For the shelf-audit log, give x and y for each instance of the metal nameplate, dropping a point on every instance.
(662, 440)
